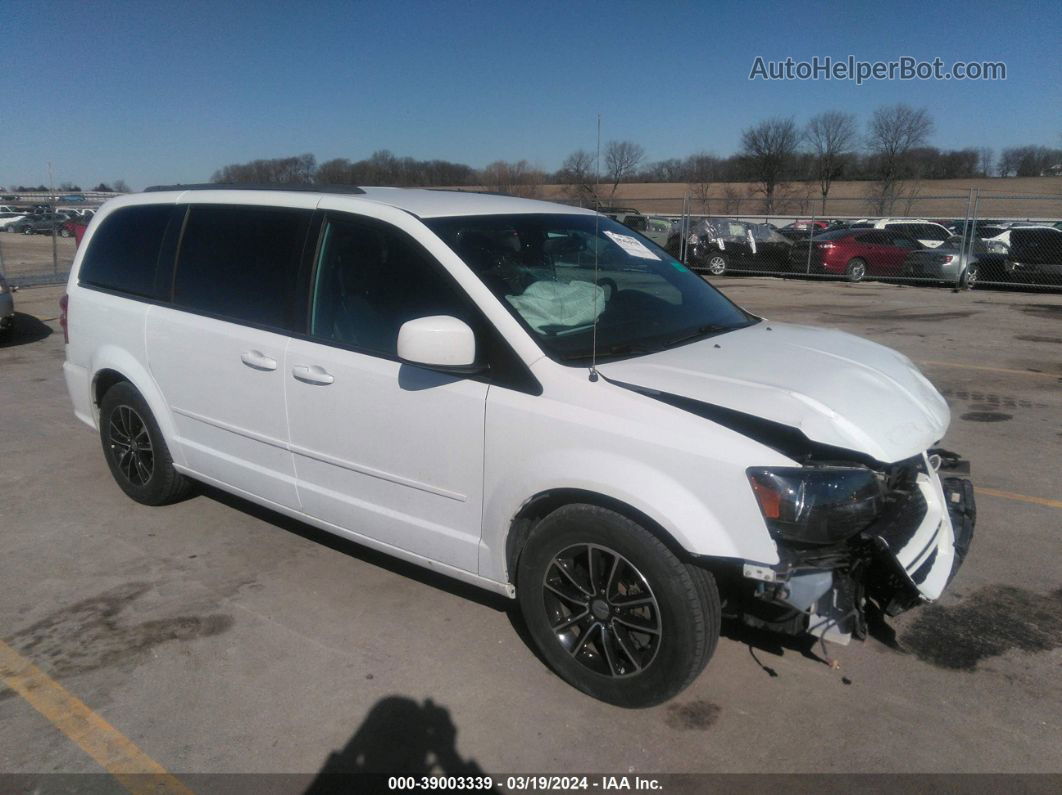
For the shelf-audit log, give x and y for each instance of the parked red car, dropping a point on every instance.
(74, 228)
(853, 253)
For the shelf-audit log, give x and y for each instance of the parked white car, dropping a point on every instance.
(928, 233)
(521, 395)
(9, 218)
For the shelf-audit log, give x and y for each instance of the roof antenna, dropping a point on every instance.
(597, 247)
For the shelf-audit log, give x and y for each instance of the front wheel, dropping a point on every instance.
(135, 450)
(612, 609)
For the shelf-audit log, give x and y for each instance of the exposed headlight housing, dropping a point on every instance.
(816, 505)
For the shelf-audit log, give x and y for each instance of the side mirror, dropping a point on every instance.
(440, 343)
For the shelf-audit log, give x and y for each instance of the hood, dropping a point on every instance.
(836, 388)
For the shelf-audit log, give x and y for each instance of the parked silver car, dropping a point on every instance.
(953, 264)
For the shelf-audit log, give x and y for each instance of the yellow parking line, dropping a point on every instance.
(116, 753)
(990, 369)
(1010, 495)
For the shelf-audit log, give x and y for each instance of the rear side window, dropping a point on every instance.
(876, 237)
(124, 252)
(241, 263)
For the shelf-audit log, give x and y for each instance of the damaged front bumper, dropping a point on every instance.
(906, 557)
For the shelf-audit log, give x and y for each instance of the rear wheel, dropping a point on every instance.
(969, 278)
(135, 450)
(717, 264)
(612, 609)
(856, 270)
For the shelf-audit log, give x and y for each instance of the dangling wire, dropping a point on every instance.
(597, 247)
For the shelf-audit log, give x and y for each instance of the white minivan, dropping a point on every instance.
(524, 396)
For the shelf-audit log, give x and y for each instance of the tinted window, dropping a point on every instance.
(241, 263)
(932, 232)
(874, 238)
(123, 254)
(371, 279)
(905, 242)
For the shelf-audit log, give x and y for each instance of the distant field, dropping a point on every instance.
(1017, 197)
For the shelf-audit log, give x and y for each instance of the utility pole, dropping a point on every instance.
(53, 202)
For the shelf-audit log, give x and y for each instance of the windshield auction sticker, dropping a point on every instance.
(631, 245)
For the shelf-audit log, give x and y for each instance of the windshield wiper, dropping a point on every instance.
(700, 331)
(619, 349)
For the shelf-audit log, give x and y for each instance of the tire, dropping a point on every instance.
(146, 472)
(716, 265)
(64, 232)
(855, 270)
(27, 231)
(970, 277)
(676, 604)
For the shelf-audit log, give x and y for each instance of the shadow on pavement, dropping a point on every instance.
(27, 329)
(355, 550)
(399, 737)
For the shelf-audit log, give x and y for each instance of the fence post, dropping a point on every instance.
(967, 253)
(967, 234)
(811, 234)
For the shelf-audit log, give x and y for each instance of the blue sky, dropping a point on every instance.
(168, 92)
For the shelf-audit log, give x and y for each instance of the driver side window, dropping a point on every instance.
(369, 280)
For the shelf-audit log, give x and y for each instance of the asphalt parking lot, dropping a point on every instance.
(219, 637)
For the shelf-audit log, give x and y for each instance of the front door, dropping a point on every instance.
(383, 449)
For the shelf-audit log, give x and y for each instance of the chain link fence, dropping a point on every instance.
(977, 239)
(39, 235)
(980, 239)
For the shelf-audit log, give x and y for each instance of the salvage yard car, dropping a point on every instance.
(719, 245)
(524, 396)
(853, 253)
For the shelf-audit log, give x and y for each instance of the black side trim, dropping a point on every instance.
(785, 439)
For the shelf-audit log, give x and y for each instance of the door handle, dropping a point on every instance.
(312, 374)
(258, 360)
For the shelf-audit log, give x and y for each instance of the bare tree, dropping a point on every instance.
(701, 172)
(120, 186)
(986, 155)
(831, 136)
(298, 169)
(579, 177)
(622, 159)
(893, 133)
(767, 150)
(515, 179)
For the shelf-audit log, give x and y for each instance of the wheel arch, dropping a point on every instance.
(112, 365)
(546, 502)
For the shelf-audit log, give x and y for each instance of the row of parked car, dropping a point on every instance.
(44, 220)
(884, 247)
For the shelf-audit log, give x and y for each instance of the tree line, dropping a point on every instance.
(890, 153)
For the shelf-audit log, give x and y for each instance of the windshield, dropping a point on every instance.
(542, 268)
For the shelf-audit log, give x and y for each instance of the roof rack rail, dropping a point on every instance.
(300, 187)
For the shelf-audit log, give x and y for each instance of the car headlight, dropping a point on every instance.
(996, 246)
(816, 505)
